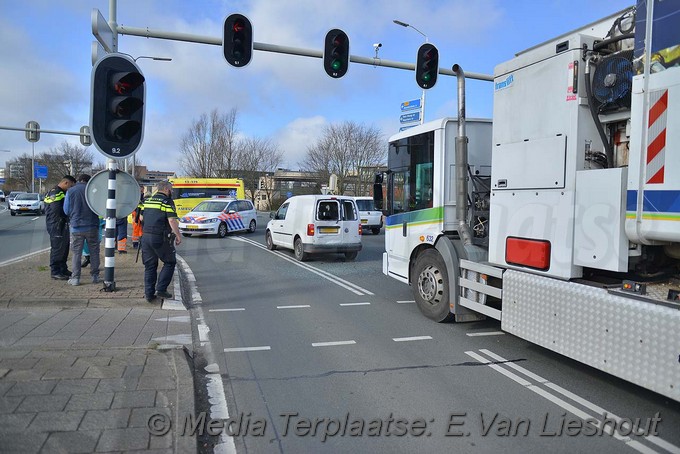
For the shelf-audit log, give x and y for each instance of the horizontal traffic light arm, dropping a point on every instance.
(202, 39)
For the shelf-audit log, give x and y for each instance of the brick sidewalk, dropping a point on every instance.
(83, 370)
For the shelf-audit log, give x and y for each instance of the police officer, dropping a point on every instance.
(57, 227)
(160, 235)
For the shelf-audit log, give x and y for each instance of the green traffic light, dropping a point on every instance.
(427, 77)
(337, 64)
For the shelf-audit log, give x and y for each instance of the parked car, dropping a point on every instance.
(219, 216)
(313, 224)
(11, 196)
(371, 218)
(27, 202)
(2, 196)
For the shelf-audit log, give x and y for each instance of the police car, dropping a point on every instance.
(219, 216)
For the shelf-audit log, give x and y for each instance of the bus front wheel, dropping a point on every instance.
(430, 282)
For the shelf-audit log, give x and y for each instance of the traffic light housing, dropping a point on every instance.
(427, 66)
(117, 106)
(237, 42)
(336, 53)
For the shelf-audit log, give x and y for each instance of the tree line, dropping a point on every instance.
(213, 148)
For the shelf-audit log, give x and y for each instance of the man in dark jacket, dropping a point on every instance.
(84, 227)
(57, 227)
(160, 236)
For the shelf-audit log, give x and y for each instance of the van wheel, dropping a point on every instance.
(222, 230)
(430, 284)
(299, 251)
(252, 226)
(13, 213)
(375, 230)
(351, 255)
(186, 235)
(268, 239)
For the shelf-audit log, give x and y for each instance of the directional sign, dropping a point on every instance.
(404, 128)
(40, 172)
(410, 105)
(408, 117)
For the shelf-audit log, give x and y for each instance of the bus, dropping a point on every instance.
(188, 192)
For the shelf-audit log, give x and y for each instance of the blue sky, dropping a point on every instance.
(45, 64)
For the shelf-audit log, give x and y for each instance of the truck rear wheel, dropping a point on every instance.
(430, 282)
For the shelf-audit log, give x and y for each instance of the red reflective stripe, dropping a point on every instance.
(528, 252)
(658, 177)
(656, 146)
(658, 108)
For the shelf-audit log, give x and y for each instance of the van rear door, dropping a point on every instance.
(327, 225)
(350, 222)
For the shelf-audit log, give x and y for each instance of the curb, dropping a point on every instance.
(185, 401)
(23, 257)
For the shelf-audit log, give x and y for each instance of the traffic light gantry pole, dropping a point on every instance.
(202, 39)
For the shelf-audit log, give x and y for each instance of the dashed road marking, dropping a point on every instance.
(409, 339)
(248, 349)
(405, 302)
(485, 333)
(355, 304)
(299, 306)
(233, 309)
(331, 344)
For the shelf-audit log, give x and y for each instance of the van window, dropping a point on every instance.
(349, 213)
(281, 214)
(366, 205)
(244, 205)
(328, 210)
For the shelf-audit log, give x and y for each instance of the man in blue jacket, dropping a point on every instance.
(84, 226)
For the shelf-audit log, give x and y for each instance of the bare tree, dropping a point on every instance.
(255, 159)
(345, 149)
(208, 147)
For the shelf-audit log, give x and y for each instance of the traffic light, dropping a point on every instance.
(427, 66)
(117, 106)
(237, 42)
(336, 53)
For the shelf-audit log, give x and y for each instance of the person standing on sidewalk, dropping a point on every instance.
(56, 222)
(137, 220)
(160, 235)
(84, 227)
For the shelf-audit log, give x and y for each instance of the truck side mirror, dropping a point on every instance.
(378, 195)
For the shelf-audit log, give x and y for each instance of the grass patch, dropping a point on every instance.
(43, 268)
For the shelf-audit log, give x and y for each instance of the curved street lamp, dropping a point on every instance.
(422, 102)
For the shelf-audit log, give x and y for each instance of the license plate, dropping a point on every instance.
(328, 229)
(364, 221)
(23, 209)
(192, 226)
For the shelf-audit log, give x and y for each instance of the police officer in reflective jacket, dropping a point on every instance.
(56, 222)
(160, 235)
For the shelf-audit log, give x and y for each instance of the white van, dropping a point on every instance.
(316, 224)
(370, 217)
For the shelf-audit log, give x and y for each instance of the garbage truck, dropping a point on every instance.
(560, 216)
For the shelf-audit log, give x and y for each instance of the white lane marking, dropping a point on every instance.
(410, 339)
(405, 302)
(215, 386)
(486, 333)
(233, 309)
(247, 349)
(326, 275)
(35, 218)
(299, 306)
(355, 304)
(554, 399)
(578, 399)
(330, 344)
(23, 257)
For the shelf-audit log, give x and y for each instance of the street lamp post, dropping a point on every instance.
(422, 99)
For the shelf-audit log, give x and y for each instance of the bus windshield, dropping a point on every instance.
(411, 166)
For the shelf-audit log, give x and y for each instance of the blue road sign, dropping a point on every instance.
(2, 181)
(404, 128)
(40, 172)
(411, 116)
(410, 105)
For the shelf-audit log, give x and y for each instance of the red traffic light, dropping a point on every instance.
(237, 40)
(117, 107)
